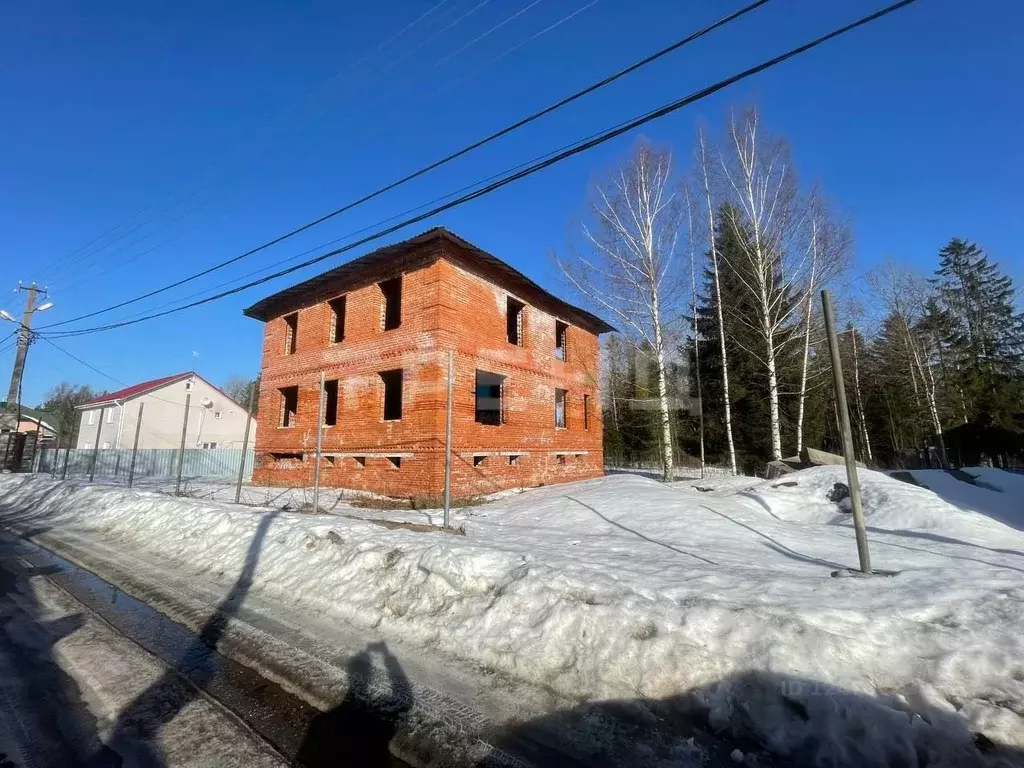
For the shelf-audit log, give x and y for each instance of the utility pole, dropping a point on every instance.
(847, 435)
(253, 394)
(181, 448)
(12, 411)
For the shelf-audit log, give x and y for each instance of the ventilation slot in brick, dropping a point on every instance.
(478, 460)
(289, 406)
(514, 321)
(391, 303)
(396, 461)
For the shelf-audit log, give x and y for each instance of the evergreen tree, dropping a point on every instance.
(980, 331)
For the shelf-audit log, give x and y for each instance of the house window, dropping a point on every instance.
(106, 445)
(188, 385)
(330, 402)
(87, 445)
(489, 387)
(586, 411)
(514, 321)
(92, 419)
(110, 416)
(291, 331)
(337, 319)
(560, 408)
(217, 414)
(392, 394)
(391, 303)
(209, 445)
(561, 331)
(289, 406)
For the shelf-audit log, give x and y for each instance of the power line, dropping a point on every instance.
(97, 255)
(52, 265)
(536, 166)
(436, 164)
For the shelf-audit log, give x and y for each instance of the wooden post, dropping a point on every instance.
(847, 435)
(245, 442)
(448, 440)
(135, 445)
(67, 455)
(181, 448)
(96, 446)
(319, 447)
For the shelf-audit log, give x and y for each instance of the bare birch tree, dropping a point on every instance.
(693, 316)
(774, 271)
(629, 268)
(828, 250)
(703, 165)
(903, 298)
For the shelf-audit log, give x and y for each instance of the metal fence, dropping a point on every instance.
(150, 462)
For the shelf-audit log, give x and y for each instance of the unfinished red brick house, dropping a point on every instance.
(526, 409)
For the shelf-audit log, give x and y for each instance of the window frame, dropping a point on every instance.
(564, 393)
(517, 326)
(283, 422)
(291, 333)
(331, 419)
(561, 340)
(501, 399)
(390, 314)
(334, 305)
(392, 376)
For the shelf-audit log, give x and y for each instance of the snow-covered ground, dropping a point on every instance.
(624, 588)
(996, 494)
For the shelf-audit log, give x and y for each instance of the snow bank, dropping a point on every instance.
(623, 588)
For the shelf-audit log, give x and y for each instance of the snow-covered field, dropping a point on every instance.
(624, 588)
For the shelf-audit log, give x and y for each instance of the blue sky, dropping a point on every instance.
(219, 125)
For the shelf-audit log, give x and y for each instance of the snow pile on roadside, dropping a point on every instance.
(623, 588)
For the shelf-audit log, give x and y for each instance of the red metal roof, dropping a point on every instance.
(137, 389)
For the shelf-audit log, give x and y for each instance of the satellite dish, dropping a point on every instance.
(207, 402)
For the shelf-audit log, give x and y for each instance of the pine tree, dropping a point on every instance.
(981, 331)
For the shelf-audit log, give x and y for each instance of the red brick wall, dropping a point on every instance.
(444, 307)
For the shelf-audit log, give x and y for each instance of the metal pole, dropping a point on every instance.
(847, 434)
(448, 440)
(96, 445)
(319, 447)
(135, 444)
(181, 448)
(245, 442)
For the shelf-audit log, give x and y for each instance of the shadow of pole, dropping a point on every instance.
(640, 535)
(161, 702)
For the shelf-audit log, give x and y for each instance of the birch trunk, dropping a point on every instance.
(860, 400)
(668, 463)
(807, 341)
(718, 308)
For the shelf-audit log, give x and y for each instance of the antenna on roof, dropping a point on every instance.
(194, 356)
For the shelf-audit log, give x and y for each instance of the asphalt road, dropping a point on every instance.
(91, 677)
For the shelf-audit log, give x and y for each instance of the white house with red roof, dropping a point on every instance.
(214, 419)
